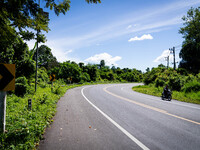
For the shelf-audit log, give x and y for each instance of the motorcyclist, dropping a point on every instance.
(166, 90)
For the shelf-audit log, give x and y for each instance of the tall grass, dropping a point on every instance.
(24, 127)
(190, 97)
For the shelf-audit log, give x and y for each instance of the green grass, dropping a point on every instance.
(24, 128)
(192, 97)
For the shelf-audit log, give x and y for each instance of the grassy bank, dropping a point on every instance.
(24, 128)
(191, 97)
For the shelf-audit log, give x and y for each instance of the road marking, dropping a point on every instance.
(149, 107)
(116, 124)
(153, 98)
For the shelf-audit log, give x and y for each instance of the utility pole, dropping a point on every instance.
(37, 53)
(172, 50)
(167, 59)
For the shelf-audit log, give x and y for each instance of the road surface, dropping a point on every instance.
(113, 117)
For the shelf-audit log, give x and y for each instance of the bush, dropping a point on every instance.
(198, 77)
(175, 83)
(149, 78)
(182, 71)
(160, 82)
(189, 78)
(42, 75)
(21, 86)
(85, 77)
(192, 86)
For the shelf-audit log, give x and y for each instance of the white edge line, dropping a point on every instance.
(117, 125)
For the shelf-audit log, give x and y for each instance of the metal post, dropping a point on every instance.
(2, 111)
(37, 56)
(174, 58)
(29, 104)
(167, 59)
(167, 62)
(51, 86)
(36, 63)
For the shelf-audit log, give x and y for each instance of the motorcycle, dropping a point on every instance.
(168, 96)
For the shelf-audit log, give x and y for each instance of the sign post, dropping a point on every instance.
(52, 78)
(2, 111)
(7, 83)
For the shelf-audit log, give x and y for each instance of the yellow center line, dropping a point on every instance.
(149, 107)
(1, 76)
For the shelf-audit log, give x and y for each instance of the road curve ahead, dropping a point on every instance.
(113, 117)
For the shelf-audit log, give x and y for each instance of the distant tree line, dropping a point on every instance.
(72, 72)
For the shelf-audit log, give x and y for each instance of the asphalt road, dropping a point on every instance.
(112, 117)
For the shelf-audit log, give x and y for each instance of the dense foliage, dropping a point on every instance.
(24, 126)
(71, 72)
(185, 86)
(190, 52)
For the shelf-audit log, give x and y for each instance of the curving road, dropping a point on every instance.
(115, 117)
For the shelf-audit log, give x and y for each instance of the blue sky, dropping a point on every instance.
(126, 34)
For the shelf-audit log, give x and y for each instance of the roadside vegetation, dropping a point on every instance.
(184, 81)
(25, 127)
(185, 86)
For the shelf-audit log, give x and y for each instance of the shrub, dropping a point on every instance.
(175, 83)
(43, 84)
(42, 75)
(198, 77)
(150, 78)
(159, 82)
(191, 86)
(182, 71)
(85, 77)
(21, 86)
(189, 78)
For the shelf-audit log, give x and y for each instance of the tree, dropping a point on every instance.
(17, 17)
(70, 71)
(27, 13)
(102, 64)
(190, 52)
(147, 70)
(92, 70)
(93, 1)
(45, 57)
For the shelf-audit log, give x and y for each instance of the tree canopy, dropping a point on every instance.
(190, 52)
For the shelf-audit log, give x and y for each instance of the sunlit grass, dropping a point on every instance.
(24, 127)
(192, 97)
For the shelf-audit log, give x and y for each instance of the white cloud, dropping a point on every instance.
(163, 56)
(68, 51)
(130, 26)
(58, 49)
(144, 37)
(109, 60)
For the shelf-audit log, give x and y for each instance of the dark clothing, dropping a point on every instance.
(166, 91)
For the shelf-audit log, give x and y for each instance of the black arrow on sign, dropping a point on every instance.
(6, 77)
(52, 77)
